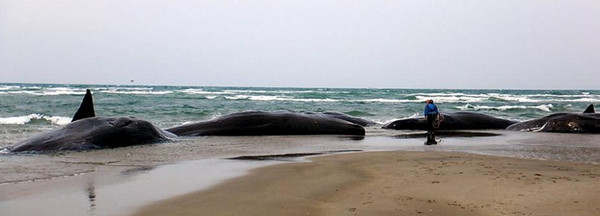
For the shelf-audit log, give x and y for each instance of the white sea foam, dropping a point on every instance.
(237, 97)
(531, 98)
(55, 91)
(134, 88)
(49, 93)
(383, 100)
(588, 100)
(316, 100)
(414, 115)
(276, 98)
(246, 91)
(203, 92)
(235, 91)
(20, 120)
(117, 91)
(515, 98)
(438, 94)
(544, 107)
(59, 120)
(187, 122)
(5, 88)
(458, 98)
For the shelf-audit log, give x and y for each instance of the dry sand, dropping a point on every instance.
(400, 183)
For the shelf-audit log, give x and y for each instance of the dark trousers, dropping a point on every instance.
(430, 129)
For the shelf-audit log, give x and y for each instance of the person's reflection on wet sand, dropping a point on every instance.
(91, 192)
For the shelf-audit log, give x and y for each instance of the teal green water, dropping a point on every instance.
(48, 105)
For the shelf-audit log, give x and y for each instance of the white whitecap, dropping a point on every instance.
(382, 100)
(202, 92)
(237, 97)
(5, 88)
(276, 98)
(137, 92)
(544, 107)
(20, 120)
(458, 98)
(59, 120)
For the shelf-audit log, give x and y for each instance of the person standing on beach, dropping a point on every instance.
(430, 113)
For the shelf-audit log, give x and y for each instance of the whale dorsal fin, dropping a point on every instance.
(86, 109)
(590, 109)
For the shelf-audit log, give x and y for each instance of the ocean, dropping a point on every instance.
(118, 181)
(28, 108)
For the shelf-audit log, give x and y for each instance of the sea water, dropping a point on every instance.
(114, 181)
(31, 107)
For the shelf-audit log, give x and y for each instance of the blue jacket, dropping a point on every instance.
(430, 109)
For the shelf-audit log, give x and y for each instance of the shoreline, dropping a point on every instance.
(399, 183)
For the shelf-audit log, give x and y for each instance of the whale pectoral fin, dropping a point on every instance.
(590, 109)
(86, 109)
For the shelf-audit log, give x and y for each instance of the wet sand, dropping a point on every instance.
(122, 180)
(400, 183)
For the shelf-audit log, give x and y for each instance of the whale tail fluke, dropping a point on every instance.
(590, 109)
(86, 109)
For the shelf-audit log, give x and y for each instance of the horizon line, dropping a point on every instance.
(293, 87)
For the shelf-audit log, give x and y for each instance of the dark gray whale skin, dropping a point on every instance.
(586, 122)
(94, 133)
(258, 123)
(562, 123)
(453, 121)
(86, 108)
(355, 120)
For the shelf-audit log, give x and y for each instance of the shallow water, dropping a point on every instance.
(118, 191)
(117, 181)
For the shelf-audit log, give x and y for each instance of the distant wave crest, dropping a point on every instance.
(544, 107)
(27, 119)
(315, 95)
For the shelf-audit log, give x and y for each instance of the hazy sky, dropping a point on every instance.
(543, 44)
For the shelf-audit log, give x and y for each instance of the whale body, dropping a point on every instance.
(94, 133)
(453, 121)
(89, 132)
(257, 123)
(586, 122)
(346, 117)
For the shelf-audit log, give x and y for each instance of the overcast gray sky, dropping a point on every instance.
(541, 44)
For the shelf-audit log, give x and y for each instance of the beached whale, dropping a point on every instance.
(586, 122)
(453, 121)
(89, 132)
(257, 123)
(355, 120)
(94, 133)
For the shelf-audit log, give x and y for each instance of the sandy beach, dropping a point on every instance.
(400, 183)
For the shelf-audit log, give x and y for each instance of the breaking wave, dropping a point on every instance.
(544, 107)
(35, 118)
